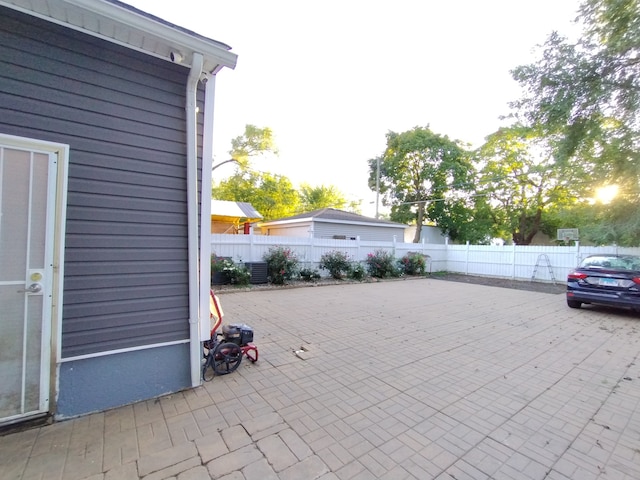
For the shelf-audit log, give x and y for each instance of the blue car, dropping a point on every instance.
(612, 280)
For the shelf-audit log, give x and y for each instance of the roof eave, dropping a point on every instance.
(356, 222)
(211, 49)
(286, 222)
(160, 39)
(329, 220)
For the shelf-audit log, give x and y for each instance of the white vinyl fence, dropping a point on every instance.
(534, 262)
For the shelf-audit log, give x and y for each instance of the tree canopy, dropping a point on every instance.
(253, 142)
(274, 196)
(588, 92)
(522, 182)
(423, 177)
(584, 97)
(315, 198)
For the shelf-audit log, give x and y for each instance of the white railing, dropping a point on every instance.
(509, 261)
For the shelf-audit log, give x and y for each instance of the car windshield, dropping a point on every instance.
(615, 262)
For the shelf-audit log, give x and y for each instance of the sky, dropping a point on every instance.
(332, 78)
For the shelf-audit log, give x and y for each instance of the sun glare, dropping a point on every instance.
(606, 194)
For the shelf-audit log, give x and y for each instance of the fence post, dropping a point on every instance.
(446, 253)
(236, 246)
(466, 260)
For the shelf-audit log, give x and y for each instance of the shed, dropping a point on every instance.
(337, 224)
(227, 216)
(105, 129)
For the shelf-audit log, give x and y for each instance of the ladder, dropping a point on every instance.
(543, 258)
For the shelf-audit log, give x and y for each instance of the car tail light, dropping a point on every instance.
(578, 276)
(636, 280)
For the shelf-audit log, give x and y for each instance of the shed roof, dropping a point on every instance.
(234, 212)
(125, 25)
(332, 215)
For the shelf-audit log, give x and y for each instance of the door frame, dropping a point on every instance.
(52, 310)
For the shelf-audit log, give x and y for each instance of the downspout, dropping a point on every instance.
(192, 216)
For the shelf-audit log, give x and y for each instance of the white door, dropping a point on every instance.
(27, 207)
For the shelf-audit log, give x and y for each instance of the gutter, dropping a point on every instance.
(192, 217)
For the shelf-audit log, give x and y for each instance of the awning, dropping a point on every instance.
(233, 212)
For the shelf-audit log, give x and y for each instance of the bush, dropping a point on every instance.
(382, 264)
(282, 265)
(357, 271)
(337, 263)
(235, 274)
(413, 264)
(309, 274)
(218, 276)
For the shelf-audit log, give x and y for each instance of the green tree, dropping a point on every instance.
(272, 195)
(585, 97)
(423, 176)
(315, 198)
(589, 91)
(467, 219)
(617, 222)
(519, 175)
(253, 142)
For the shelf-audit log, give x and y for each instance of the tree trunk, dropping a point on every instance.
(420, 217)
(534, 228)
(527, 229)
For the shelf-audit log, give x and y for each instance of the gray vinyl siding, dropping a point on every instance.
(293, 230)
(333, 230)
(122, 113)
(365, 232)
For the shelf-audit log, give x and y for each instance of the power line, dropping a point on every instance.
(441, 199)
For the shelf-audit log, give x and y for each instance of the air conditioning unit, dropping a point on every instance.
(258, 272)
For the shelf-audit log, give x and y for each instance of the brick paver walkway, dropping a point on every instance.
(417, 379)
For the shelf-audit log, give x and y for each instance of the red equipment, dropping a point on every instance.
(224, 356)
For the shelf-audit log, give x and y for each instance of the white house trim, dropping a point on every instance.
(125, 25)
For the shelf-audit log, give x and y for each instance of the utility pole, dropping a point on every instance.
(377, 184)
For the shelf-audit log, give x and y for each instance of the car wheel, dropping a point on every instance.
(574, 304)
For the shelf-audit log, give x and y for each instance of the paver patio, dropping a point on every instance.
(414, 379)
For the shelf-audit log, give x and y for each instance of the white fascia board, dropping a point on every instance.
(220, 54)
(216, 54)
(276, 223)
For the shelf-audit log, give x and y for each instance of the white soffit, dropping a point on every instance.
(125, 25)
